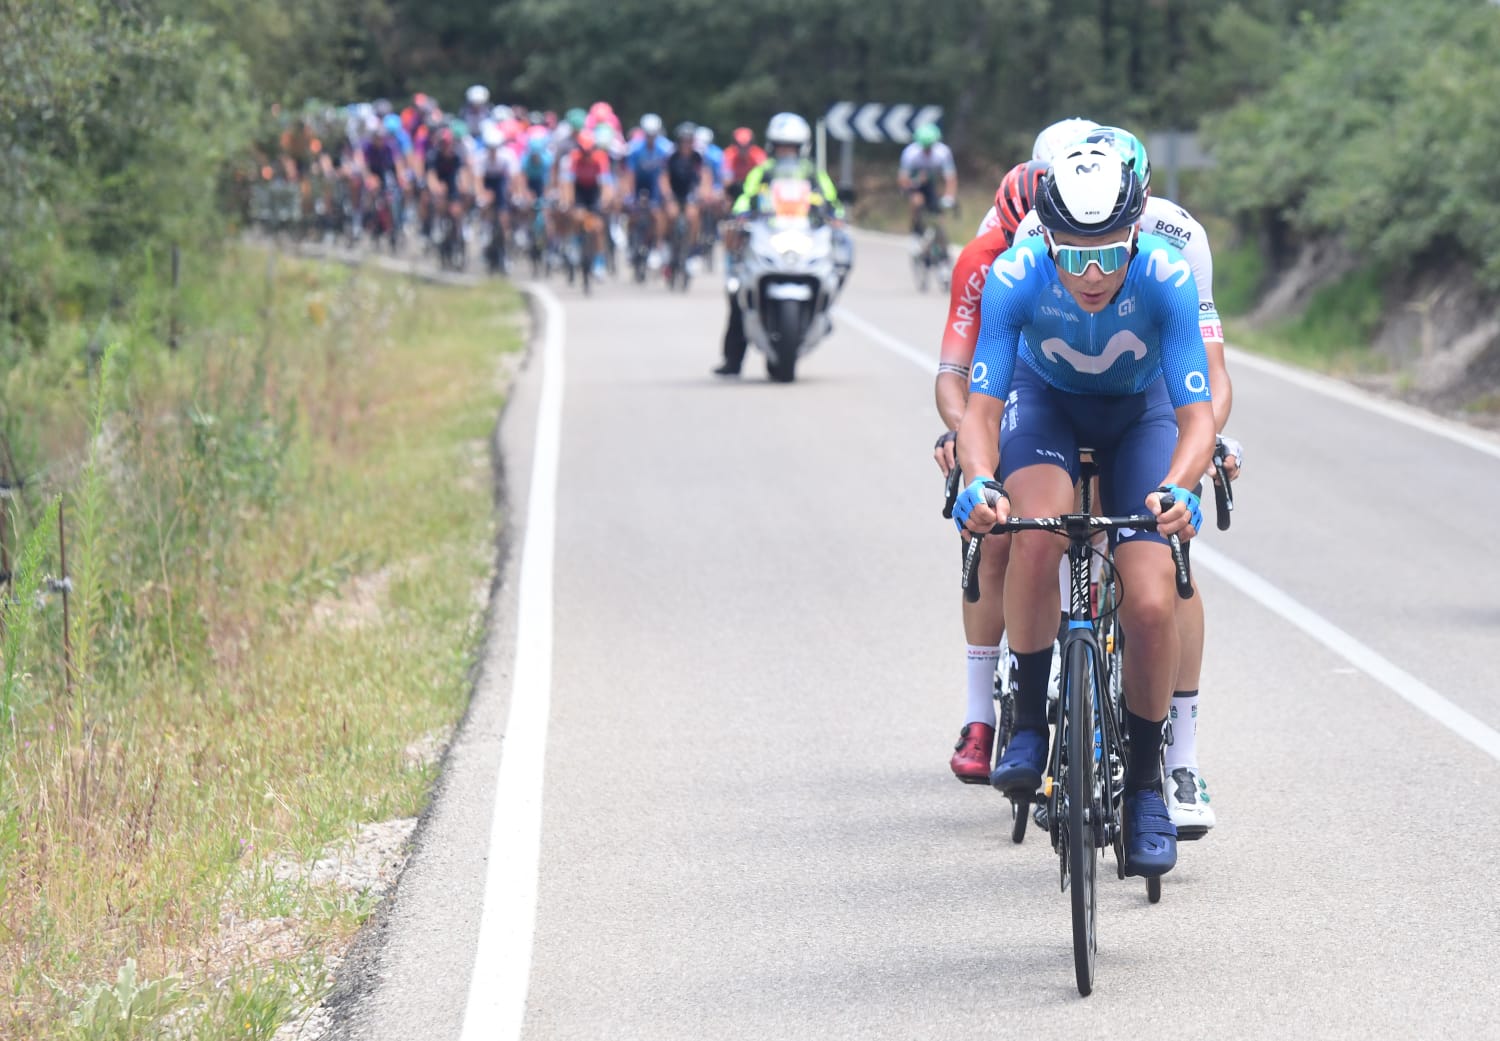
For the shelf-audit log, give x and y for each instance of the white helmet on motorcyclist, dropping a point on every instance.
(477, 95)
(1064, 132)
(789, 129)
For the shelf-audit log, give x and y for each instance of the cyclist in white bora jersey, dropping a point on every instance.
(1186, 791)
(923, 163)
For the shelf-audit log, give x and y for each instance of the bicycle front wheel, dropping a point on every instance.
(1084, 808)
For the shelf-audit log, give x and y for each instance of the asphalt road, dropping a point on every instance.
(747, 826)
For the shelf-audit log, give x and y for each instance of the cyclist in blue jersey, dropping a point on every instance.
(645, 169)
(1089, 336)
(536, 172)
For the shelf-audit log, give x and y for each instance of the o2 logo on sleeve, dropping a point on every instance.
(980, 376)
(1196, 382)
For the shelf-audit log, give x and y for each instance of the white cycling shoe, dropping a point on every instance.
(1188, 803)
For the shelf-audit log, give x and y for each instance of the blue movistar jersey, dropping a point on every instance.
(1149, 330)
(647, 160)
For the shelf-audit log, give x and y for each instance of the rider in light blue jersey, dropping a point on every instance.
(645, 166)
(1089, 336)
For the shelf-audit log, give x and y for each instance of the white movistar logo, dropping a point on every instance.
(1165, 268)
(1012, 271)
(1122, 342)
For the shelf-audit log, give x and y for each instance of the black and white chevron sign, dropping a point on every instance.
(878, 123)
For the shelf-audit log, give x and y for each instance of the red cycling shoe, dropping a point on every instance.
(971, 757)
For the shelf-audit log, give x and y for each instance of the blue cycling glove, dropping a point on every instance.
(1188, 499)
(972, 496)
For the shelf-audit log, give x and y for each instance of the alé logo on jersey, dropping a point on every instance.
(1165, 269)
(1120, 344)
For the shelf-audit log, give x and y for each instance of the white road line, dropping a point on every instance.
(886, 340)
(1366, 659)
(496, 1007)
(1478, 440)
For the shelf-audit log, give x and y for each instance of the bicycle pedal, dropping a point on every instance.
(1047, 787)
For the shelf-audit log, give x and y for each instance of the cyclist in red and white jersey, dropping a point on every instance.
(984, 621)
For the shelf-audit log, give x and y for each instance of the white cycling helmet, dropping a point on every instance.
(1063, 132)
(1090, 190)
(651, 124)
(703, 137)
(477, 95)
(788, 128)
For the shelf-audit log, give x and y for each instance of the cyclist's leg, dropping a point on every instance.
(914, 204)
(658, 217)
(1039, 467)
(1183, 786)
(984, 625)
(694, 224)
(1131, 470)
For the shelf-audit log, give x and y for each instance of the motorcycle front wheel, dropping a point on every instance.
(788, 336)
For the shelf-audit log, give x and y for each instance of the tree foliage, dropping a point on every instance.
(1383, 132)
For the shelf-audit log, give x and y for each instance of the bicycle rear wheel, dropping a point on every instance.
(1084, 809)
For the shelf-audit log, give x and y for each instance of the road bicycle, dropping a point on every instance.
(679, 248)
(931, 256)
(1105, 598)
(1084, 784)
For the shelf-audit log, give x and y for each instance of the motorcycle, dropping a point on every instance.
(789, 272)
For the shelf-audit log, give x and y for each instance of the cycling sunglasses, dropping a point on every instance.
(1075, 260)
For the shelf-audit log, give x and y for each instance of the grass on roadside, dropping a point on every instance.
(282, 591)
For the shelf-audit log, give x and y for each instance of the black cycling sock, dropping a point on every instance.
(1028, 685)
(1144, 768)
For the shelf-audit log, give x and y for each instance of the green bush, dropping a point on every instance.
(1384, 133)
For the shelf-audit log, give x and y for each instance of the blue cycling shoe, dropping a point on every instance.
(1019, 771)
(1150, 836)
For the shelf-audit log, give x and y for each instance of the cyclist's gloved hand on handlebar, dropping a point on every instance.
(1184, 519)
(981, 506)
(1233, 454)
(943, 451)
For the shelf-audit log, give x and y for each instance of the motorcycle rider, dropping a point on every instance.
(789, 138)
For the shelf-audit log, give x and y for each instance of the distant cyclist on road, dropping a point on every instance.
(924, 163)
(689, 179)
(645, 167)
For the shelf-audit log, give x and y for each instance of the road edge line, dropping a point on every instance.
(496, 1005)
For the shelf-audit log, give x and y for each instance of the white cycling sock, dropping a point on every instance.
(1182, 743)
(982, 663)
